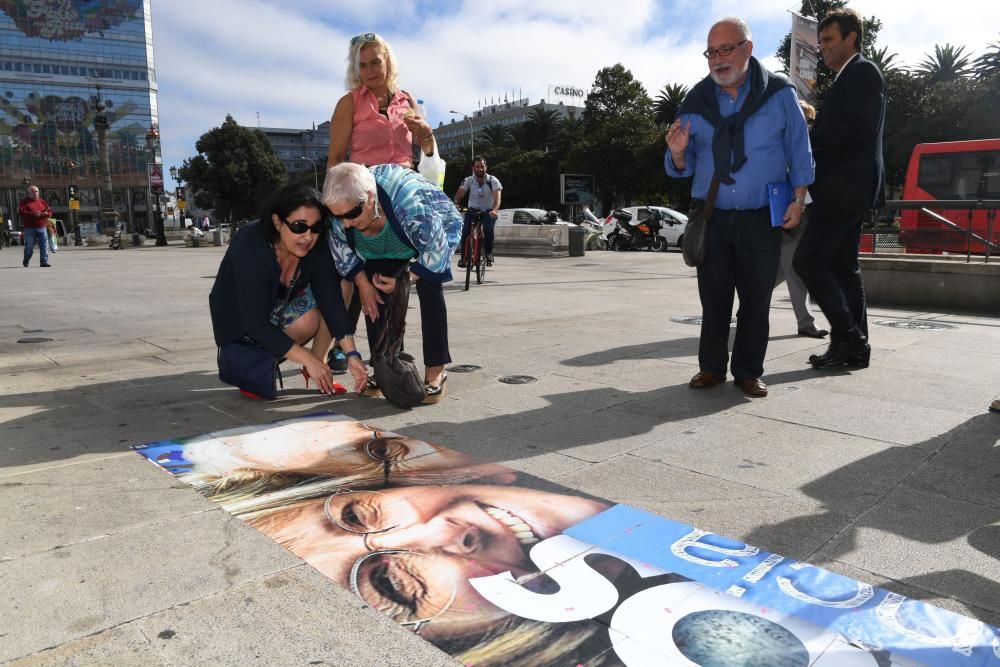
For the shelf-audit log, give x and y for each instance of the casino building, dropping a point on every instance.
(58, 61)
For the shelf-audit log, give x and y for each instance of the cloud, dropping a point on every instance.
(286, 59)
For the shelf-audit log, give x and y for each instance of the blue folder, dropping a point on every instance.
(779, 196)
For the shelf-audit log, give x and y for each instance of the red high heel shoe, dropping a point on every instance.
(337, 387)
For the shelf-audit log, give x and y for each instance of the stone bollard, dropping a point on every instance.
(217, 236)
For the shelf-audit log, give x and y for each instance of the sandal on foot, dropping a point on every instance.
(435, 392)
(371, 389)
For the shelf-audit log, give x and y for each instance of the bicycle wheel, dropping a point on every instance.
(480, 263)
(469, 255)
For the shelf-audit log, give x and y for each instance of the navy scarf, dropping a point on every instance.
(728, 147)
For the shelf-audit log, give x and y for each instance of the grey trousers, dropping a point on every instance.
(797, 292)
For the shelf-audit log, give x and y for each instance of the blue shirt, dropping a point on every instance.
(777, 147)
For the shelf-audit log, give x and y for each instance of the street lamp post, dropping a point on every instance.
(315, 172)
(153, 205)
(472, 138)
(180, 204)
(109, 215)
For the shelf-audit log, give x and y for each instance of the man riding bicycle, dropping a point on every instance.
(484, 195)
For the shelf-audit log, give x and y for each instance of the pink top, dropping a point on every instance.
(377, 139)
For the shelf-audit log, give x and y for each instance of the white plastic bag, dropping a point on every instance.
(432, 167)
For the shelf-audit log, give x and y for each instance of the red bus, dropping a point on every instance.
(952, 170)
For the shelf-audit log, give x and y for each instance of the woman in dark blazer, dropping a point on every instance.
(254, 278)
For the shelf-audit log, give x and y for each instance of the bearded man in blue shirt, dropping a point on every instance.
(739, 129)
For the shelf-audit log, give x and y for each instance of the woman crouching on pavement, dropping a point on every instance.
(388, 219)
(253, 281)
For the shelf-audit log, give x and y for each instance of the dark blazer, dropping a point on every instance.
(247, 289)
(846, 140)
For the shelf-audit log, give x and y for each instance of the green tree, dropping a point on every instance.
(495, 135)
(622, 146)
(235, 168)
(988, 64)
(949, 63)
(885, 61)
(541, 128)
(616, 94)
(668, 102)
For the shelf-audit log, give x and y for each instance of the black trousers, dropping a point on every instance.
(433, 313)
(827, 262)
(742, 254)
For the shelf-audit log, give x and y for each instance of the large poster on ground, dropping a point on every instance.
(496, 567)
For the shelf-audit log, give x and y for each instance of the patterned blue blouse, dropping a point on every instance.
(420, 214)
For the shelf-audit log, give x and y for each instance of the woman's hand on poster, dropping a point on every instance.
(358, 371)
(317, 370)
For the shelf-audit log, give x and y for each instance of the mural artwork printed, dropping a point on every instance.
(43, 132)
(496, 567)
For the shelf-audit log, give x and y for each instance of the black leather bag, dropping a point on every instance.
(696, 230)
(400, 380)
(248, 366)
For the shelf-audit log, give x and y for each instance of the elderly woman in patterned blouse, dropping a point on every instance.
(388, 219)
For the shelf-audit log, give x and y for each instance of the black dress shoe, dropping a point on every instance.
(841, 351)
(860, 360)
(813, 332)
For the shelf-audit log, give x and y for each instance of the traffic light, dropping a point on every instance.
(72, 189)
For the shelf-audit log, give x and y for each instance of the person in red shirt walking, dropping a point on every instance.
(34, 213)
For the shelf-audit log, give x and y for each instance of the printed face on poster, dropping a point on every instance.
(497, 567)
(155, 172)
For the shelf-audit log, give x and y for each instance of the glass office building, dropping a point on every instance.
(56, 59)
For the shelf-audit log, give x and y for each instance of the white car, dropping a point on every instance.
(673, 222)
(528, 216)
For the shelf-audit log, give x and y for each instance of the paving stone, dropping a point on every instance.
(940, 544)
(88, 501)
(881, 419)
(124, 645)
(64, 594)
(843, 472)
(295, 617)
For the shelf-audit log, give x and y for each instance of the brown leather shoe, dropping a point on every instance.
(752, 387)
(704, 380)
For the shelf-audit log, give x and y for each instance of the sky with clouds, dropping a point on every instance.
(286, 59)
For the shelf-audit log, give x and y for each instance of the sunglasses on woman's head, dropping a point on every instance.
(364, 37)
(353, 213)
(299, 227)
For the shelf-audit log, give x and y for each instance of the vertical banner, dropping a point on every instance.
(802, 55)
(155, 173)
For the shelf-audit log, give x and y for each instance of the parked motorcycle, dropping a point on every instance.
(617, 231)
(627, 234)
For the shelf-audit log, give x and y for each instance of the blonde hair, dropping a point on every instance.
(354, 62)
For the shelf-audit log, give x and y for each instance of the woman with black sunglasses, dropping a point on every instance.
(278, 253)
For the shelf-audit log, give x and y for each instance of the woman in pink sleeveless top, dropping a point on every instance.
(376, 122)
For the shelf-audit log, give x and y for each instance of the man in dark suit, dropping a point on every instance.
(850, 180)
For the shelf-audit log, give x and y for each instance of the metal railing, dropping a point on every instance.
(935, 233)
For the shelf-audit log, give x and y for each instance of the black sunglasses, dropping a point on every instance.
(354, 212)
(299, 227)
(365, 37)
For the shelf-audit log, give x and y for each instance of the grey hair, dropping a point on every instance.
(737, 23)
(348, 182)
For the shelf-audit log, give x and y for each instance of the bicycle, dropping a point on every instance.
(475, 248)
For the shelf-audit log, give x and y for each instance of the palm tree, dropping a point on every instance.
(948, 63)
(668, 102)
(885, 61)
(988, 64)
(542, 125)
(495, 134)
